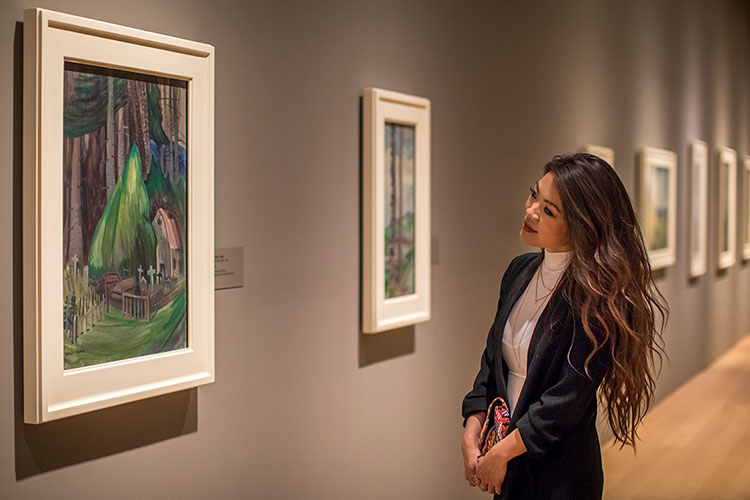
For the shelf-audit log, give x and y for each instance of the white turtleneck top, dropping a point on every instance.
(523, 318)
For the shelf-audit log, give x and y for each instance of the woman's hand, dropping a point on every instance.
(471, 458)
(492, 467)
(470, 447)
(491, 470)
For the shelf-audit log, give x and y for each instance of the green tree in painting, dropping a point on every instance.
(124, 238)
(104, 114)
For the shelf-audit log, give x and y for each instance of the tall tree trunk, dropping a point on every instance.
(121, 144)
(88, 142)
(393, 269)
(393, 181)
(175, 126)
(139, 128)
(110, 152)
(67, 168)
(400, 197)
(180, 125)
(93, 185)
(67, 192)
(75, 244)
(127, 127)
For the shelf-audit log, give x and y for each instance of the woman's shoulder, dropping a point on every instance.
(521, 261)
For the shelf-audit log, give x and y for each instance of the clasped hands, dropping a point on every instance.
(486, 472)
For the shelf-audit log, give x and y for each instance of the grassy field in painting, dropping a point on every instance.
(116, 338)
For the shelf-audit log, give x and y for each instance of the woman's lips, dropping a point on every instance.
(528, 229)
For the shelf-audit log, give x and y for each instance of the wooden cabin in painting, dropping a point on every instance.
(170, 253)
(106, 283)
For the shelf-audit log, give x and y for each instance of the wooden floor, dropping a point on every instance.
(695, 444)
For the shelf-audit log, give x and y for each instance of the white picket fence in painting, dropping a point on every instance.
(88, 315)
(145, 307)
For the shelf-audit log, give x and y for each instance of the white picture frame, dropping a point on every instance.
(603, 152)
(658, 204)
(51, 39)
(746, 210)
(396, 290)
(727, 213)
(698, 225)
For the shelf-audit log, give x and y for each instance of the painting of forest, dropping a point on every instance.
(124, 215)
(697, 206)
(658, 210)
(724, 207)
(399, 210)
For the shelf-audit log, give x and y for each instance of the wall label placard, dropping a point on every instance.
(228, 268)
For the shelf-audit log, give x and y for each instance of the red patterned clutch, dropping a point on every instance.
(495, 425)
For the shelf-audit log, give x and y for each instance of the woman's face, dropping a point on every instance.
(544, 225)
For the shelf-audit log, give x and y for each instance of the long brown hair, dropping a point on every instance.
(610, 287)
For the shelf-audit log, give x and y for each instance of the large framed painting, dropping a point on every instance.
(746, 210)
(727, 158)
(698, 225)
(118, 215)
(658, 204)
(603, 152)
(396, 210)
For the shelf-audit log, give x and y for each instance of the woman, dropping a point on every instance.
(578, 315)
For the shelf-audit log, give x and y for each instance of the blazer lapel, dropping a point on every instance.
(519, 284)
(552, 315)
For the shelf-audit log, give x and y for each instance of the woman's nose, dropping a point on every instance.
(531, 212)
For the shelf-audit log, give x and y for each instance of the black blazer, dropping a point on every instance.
(556, 411)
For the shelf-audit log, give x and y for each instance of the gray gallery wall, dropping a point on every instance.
(304, 406)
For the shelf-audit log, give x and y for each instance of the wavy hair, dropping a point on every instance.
(610, 288)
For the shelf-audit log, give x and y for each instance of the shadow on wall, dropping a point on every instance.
(50, 446)
(374, 348)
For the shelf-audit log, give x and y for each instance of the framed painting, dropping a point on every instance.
(698, 207)
(727, 158)
(746, 210)
(603, 152)
(396, 210)
(118, 215)
(658, 204)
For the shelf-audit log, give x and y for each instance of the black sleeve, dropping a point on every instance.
(485, 390)
(563, 405)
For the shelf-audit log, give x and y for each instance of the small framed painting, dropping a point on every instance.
(698, 207)
(658, 204)
(746, 211)
(727, 158)
(603, 152)
(118, 215)
(396, 210)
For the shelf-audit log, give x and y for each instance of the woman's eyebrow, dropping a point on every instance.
(552, 203)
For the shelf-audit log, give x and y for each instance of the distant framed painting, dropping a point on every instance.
(118, 215)
(658, 204)
(396, 210)
(746, 210)
(603, 152)
(698, 207)
(727, 158)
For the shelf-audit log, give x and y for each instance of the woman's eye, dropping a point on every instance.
(548, 212)
(533, 193)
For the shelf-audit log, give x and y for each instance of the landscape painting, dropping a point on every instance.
(124, 215)
(658, 209)
(724, 188)
(399, 210)
(697, 206)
